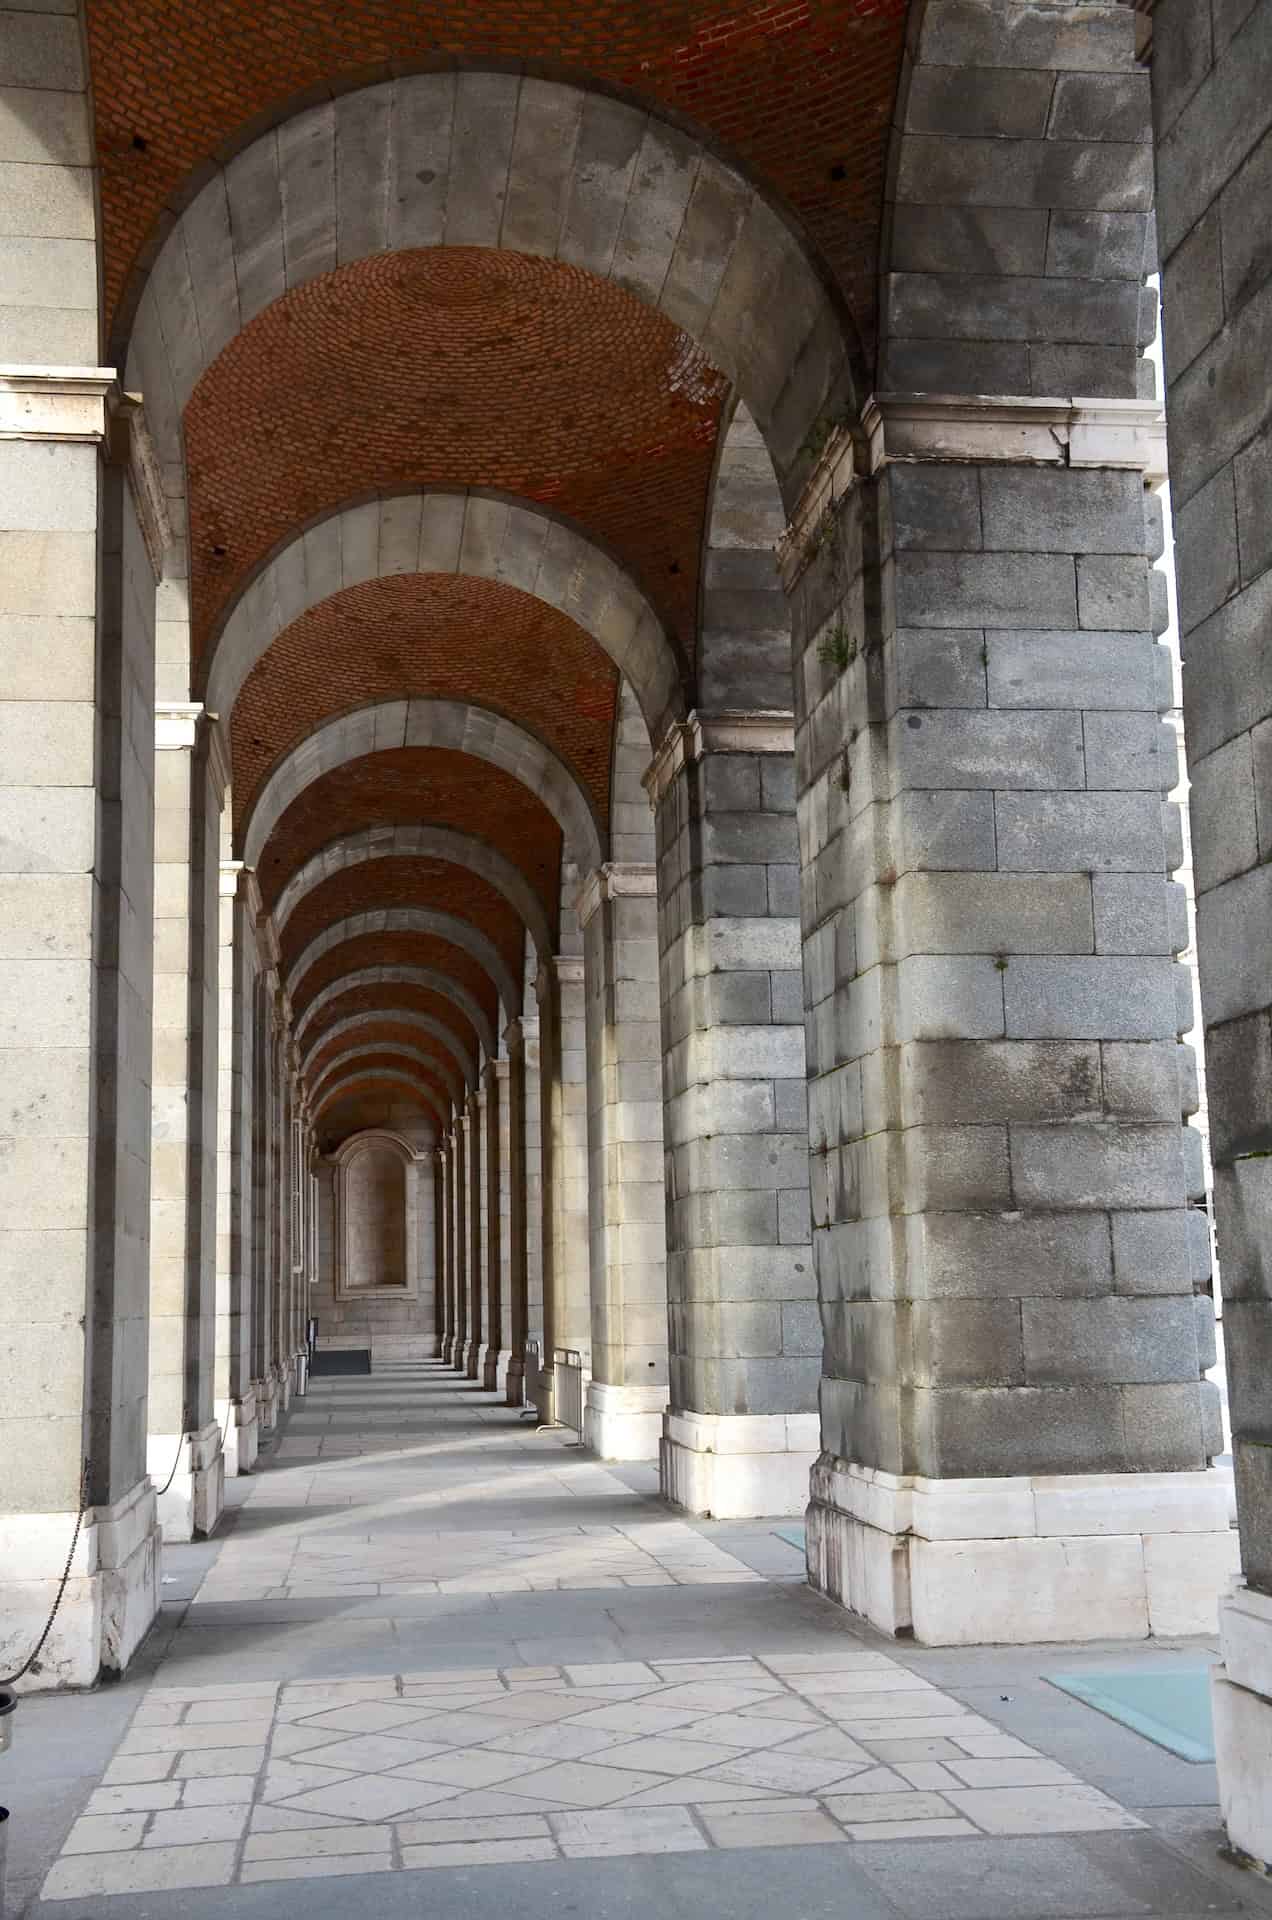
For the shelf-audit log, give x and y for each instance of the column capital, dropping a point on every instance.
(731, 730)
(55, 403)
(494, 1071)
(1019, 429)
(182, 726)
(616, 879)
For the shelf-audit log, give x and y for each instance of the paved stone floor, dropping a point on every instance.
(434, 1642)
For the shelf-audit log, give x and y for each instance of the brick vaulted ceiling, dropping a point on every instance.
(441, 636)
(177, 85)
(451, 368)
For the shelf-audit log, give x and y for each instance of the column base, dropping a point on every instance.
(738, 1466)
(472, 1359)
(111, 1598)
(514, 1388)
(194, 1497)
(240, 1429)
(494, 1369)
(1018, 1561)
(453, 1352)
(623, 1423)
(283, 1377)
(1241, 1701)
(266, 1395)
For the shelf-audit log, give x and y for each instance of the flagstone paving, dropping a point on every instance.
(241, 1782)
(434, 1641)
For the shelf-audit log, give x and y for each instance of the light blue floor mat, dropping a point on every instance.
(793, 1536)
(1168, 1705)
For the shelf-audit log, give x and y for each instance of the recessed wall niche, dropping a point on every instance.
(377, 1218)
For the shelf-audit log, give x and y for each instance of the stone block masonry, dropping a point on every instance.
(1212, 110)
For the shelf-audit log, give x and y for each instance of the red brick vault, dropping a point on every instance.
(446, 370)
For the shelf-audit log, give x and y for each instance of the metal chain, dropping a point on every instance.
(8, 1679)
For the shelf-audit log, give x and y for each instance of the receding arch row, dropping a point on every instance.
(486, 535)
(380, 170)
(466, 1062)
(394, 976)
(350, 1024)
(400, 843)
(425, 920)
(383, 1076)
(358, 736)
(379, 1051)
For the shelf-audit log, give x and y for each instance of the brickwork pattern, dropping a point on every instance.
(442, 637)
(412, 784)
(416, 883)
(463, 367)
(397, 949)
(167, 99)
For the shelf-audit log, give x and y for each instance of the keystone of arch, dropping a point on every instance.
(425, 1023)
(426, 920)
(487, 536)
(385, 1075)
(395, 976)
(351, 1022)
(665, 218)
(416, 842)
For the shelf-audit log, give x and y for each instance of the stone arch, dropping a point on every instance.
(446, 926)
(351, 1023)
(373, 843)
(379, 1050)
(356, 737)
(660, 215)
(385, 1076)
(431, 977)
(490, 536)
(466, 1062)
(744, 648)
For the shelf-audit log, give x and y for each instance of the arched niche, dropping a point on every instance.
(377, 1251)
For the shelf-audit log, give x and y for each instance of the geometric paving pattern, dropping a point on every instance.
(257, 1781)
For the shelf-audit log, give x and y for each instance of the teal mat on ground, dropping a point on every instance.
(793, 1536)
(1168, 1705)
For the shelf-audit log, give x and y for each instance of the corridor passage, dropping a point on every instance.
(433, 1640)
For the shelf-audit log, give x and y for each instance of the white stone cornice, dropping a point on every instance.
(54, 403)
(732, 731)
(1027, 431)
(568, 968)
(177, 725)
(232, 872)
(133, 448)
(834, 473)
(1032, 432)
(494, 1070)
(617, 879)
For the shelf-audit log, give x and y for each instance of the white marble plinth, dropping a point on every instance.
(240, 1433)
(111, 1598)
(471, 1361)
(514, 1388)
(283, 1383)
(1241, 1700)
(190, 1500)
(738, 1466)
(265, 1393)
(1037, 1558)
(623, 1423)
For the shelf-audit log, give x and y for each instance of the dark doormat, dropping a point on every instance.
(340, 1360)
